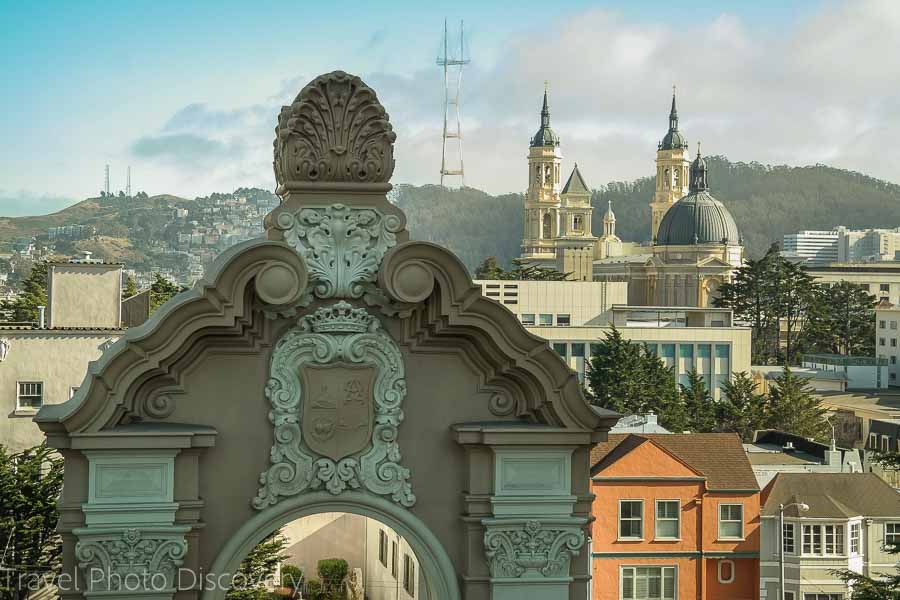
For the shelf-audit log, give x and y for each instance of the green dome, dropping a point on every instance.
(673, 139)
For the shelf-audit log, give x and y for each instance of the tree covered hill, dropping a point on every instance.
(766, 201)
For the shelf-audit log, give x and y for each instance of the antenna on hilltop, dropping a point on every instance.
(128, 182)
(106, 181)
(450, 166)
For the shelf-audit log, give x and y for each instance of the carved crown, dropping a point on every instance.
(340, 318)
(335, 131)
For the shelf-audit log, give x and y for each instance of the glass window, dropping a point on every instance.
(560, 348)
(722, 351)
(545, 320)
(394, 559)
(894, 360)
(704, 350)
(812, 539)
(409, 575)
(668, 514)
(817, 596)
(651, 348)
(788, 538)
(823, 539)
(893, 342)
(563, 320)
(649, 583)
(31, 395)
(855, 532)
(881, 341)
(789, 595)
(834, 539)
(885, 287)
(383, 548)
(731, 521)
(668, 351)
(631, 519)
(882, 324)
(528, 319)
(893, 324)
(891, 534)
(578, 350)
(686, 350)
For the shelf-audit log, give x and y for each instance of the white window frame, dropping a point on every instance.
(824, 596)
(873, 441)
(528, 322)
(662, 575)
(720, 521)
(855, 537)
(721, 563)
(656, 519)
(640, 520)
(793, 538)
(895, 534)
(20, 395)
(885, 443)
(840, 549)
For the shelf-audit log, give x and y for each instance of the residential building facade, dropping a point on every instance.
(887, 338)
(851, 517)
(677, 518)
(881, 279)
(45, 364)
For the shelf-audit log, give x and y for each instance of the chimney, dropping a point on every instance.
(788, 447)
(41, 316)
(651, 418)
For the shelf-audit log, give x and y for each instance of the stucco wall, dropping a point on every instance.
(85, 295)
(58, 359)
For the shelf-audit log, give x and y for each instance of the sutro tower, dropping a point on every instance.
(452, 166)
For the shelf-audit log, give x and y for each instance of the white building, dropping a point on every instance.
(887, 317)
(814, 247)
(862, 372)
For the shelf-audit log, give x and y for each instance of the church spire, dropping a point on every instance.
(545, 110)
(545, 136)
(673, 114)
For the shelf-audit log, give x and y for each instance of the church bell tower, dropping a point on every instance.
(542, 201)
(672, 166)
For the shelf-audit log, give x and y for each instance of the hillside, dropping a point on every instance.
(766, 201)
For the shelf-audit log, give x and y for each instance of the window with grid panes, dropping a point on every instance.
(649, 583)
(668, 514)
(631, 519)
(731, 521)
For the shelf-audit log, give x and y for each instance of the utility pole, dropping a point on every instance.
(452, 166)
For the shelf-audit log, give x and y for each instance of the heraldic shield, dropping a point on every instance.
(337, 414)
(336, 386)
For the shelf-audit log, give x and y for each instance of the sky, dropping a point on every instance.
(187, 93)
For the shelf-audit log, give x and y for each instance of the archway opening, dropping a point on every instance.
(330, 556)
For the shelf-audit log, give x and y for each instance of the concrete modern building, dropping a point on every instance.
(677, 518)
(812, 247)
(887, 338)
(773, 452)
(881, 279)
(557, 303)
(389, 567)
(819, 380)
(44, 364)
(685, 339)
(862, 372)
(850, 520)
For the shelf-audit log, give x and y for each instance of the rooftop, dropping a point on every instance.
(831, 495)
(845, 361)
(720, 457)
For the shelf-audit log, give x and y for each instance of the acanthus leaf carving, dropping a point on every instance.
(132, 559)
(342, 247)
(515, 550)
(319, 388)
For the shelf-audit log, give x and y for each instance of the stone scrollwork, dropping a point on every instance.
(131, 559)
(336, 386)
(334, 131)
(516, 550)
(341, 245)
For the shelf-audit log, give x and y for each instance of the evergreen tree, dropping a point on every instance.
(868, 588)
(698, 405)
(843, 320)
(24, 308)
(794, 296)
(160, 291)
(30, 485)
(130, 287)
(258, 569)
(795, 408)
(489, 269)
(522, 271)
(741, 409)
(625, 377)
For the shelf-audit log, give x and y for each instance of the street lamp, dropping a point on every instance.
(802, 507)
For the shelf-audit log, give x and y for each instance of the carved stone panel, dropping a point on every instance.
(336, 387)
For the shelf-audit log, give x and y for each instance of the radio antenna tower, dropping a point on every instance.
(128, 182)
(106, 181)
(452, 166)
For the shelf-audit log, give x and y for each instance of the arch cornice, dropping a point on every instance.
(222, 303)
(444, 309)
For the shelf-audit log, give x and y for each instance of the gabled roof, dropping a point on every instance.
(719, 457)
(576, 183)
(832, 495)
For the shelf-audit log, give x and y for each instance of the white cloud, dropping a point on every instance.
(823, 91)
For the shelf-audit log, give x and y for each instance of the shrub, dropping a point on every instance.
(291, 576)
(314, 590)
(332, 572)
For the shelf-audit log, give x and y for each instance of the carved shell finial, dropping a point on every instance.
(335, 131)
